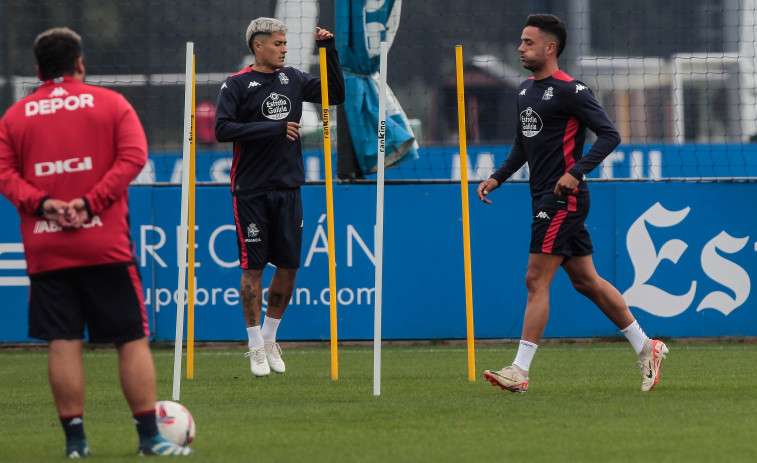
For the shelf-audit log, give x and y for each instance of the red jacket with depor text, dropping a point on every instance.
(70, 140)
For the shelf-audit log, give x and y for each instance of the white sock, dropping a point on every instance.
(525, 355)
(270, 326)
(635, 336)
(255, 340)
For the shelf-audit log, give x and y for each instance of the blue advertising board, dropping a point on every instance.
(682, 254)
(688, 261)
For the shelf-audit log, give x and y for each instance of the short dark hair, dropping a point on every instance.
(56, 51)
(550, 24)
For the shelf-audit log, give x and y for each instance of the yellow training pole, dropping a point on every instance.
(329, 212)
(466, 220)
(191, 241)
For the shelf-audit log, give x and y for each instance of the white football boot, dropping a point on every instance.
(273, 355)
(650, 361)
(258, 363)
(511, 378)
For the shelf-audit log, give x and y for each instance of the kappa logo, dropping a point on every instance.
(547, 94)
(253, 84)
(522, 92)
(49, 226)
(530, 122)
(542, 215)
(580, 87)
(284, 79)
(224, 86)
(58, 92)
(276, 107)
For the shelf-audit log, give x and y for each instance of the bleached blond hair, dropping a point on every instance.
(265, 26)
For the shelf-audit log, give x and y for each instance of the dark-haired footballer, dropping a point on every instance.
(554, 111)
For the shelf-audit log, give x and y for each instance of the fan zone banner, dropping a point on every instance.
(682, 254)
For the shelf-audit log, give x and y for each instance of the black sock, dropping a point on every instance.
(73, 426)
(147, 425)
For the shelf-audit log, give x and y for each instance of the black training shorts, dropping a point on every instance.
(269, 228)
(107, 299)
(560, 229)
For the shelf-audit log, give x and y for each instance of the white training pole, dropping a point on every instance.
(379, 240)
(181, 256)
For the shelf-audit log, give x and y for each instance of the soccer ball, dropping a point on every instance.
(175, 423)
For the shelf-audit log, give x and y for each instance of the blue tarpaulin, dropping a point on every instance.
(360, 29)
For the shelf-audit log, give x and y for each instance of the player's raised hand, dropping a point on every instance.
(322, 34)
(293, 130)
(486, 187)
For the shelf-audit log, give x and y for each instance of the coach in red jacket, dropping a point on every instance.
(68, 152)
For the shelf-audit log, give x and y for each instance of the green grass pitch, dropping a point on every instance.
(583, 404)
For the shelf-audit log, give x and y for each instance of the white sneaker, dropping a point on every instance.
(273, 355)
(650, 361)
(258, 362)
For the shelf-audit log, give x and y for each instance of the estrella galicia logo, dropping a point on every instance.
(276, 107)
(530, 122)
